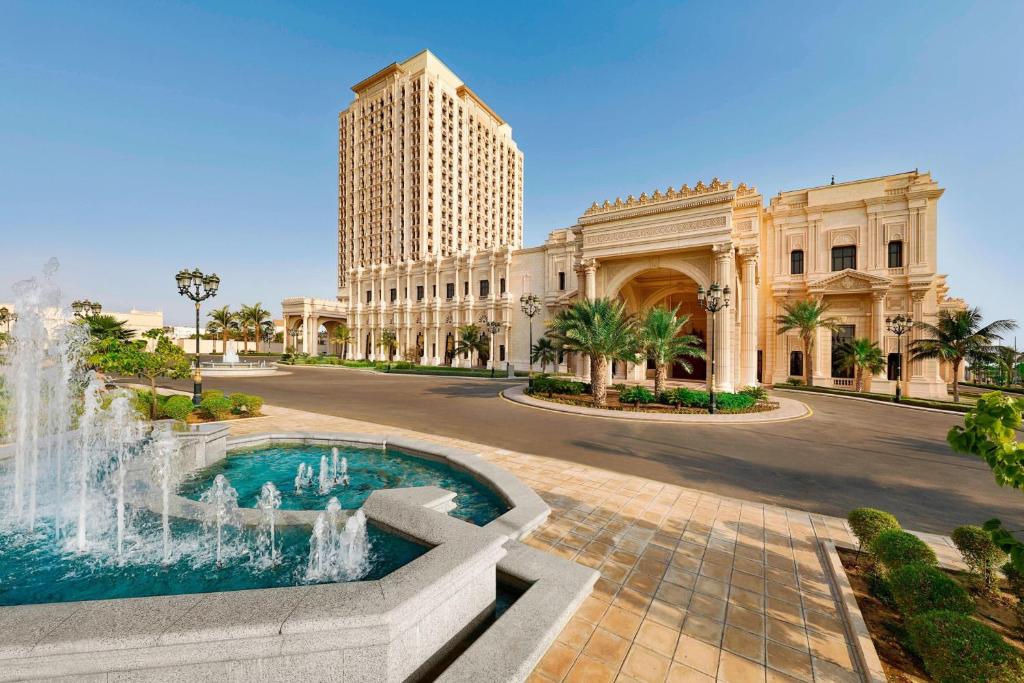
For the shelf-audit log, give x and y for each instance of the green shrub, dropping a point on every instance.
(210, 393)
(895, 548)
(727, 401)
(980, 554)
(141, 401)
(957, 649)
(636, 395)
(619, 387)
(402, 365)
(553, 385)
(757, 393)
(793, 381)
(246, 403)
(867, 523)
(918, 588)
(688, 398)
(178, 407)
(217, 407)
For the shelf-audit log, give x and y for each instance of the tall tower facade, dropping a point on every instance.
(426, 170)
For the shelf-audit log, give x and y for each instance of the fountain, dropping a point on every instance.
(269, 501)
(230, 365)
(222, 500)
(337, 550)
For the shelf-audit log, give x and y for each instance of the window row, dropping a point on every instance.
(846, 257)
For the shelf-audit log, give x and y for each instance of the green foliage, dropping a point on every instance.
(210, 393)
(957, 649)
(734, 402)
(254, 320)
(687, 398)
(216, 407)
(131, 358)
(544, 352)
(758, 393)
(895, 548)
(795, 382)
(863, 356)
(143, 401)
(806, 317)
(867, 523)
(543, 384)
(980, 553)
(103, 327)
(247, 404)
(662, 341)
(919, 587)
(177, 407)
(636, 395)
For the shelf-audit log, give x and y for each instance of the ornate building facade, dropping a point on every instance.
(430, 239)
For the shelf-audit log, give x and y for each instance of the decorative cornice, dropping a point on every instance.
(669, 195)
(590, 240)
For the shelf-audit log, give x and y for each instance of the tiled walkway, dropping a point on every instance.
(694, 587)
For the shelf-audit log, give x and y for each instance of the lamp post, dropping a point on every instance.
(713, 300)
(530, 305)
(492, 327)
(7, 317)
(83, 308)
(197, 287)
(899, 325)
(294, 334)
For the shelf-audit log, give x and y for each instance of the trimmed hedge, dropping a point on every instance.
(217, 407)
(895, 548)
(177, 407)
(867, 523)
(246, 403)
(918, 588)
(636, 395)
(553, 385)
(979, 552)
(693, 398)
(957, 649)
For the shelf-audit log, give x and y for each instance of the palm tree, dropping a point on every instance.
(224, 320)
(662, 341)
(806, 317)
(342, 336)
(471, 338)
(388, 339)
(253, 319)
(107, 327)
(544, 352)
(957, 335)
(863, 356)
(601, 329)
(1007, 358)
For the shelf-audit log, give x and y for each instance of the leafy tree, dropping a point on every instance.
(131, 358)
(388, 340)
(224, 321)
(252, 320)
(601, 329)
(544, 352)
(1007, 359)
(806, 317)
(990, 432)
(107, 327)
(957, 335)
(662, 341)
(471, 338)
(342, 336)
(863, 356)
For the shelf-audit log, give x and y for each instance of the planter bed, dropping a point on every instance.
(881, 398)
(887, 628)
(614, 404)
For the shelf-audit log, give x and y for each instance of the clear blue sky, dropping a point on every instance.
(139, 138)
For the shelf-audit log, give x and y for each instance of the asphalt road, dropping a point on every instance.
(848, 454)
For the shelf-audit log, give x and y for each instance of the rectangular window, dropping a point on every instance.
(449, 290)
(465, 288)
(841, 335)
(394, 294)
(796, 262)
(434, 291)
(369, 296)
(485, 288)
(896, 254)
(419, 292)
(844, 257)
(796, 363)
(501, 352)
(561, 281)
(501, 286)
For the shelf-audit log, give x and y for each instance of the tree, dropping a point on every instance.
(863, 356)
(388, 340)
(131, 358)
(544, 352)
(107, 327)
(224, 321)
(662, 341)
(471, 338)
(342, 336)
(253, 319)
(1007, 359)
(601, 329)
(957, 335)
(806, 317)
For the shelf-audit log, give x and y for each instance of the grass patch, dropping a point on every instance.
(962, 407)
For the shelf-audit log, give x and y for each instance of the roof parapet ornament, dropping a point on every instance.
(670, 193)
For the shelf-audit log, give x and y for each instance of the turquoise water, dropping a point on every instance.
(34, 569)
(369, 469)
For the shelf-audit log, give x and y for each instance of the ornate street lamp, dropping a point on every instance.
(493, 327)
(7, 317)
(712, 301)
(197, 287)
(83, 308)
(899, 325)
(530, 304)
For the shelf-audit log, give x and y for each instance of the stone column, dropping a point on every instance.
(724, 370)
(749, 319)
(284, 337)
(590, 269)
(315, 331)
(878, 333)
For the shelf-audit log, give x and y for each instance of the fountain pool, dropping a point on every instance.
(368, 469)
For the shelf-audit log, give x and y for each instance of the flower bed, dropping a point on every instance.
(614, 403)
(215, 406)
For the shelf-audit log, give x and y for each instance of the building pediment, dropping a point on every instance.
(850, 280)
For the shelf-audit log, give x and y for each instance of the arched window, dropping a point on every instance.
(796, 363)
(844, 257)
(896, 254)
(796, 262)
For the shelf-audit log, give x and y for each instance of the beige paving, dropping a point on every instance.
(694, 587)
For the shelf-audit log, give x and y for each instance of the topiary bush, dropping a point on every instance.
(980, 554)
(957, 649)
(210, 393)
(552, 385)
(636, 395)
(216, 407)
(867, 523)
(178, 407)
(246, 404)
(895, 548)
(918, 588)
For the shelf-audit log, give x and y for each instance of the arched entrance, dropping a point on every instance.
(669, 288)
